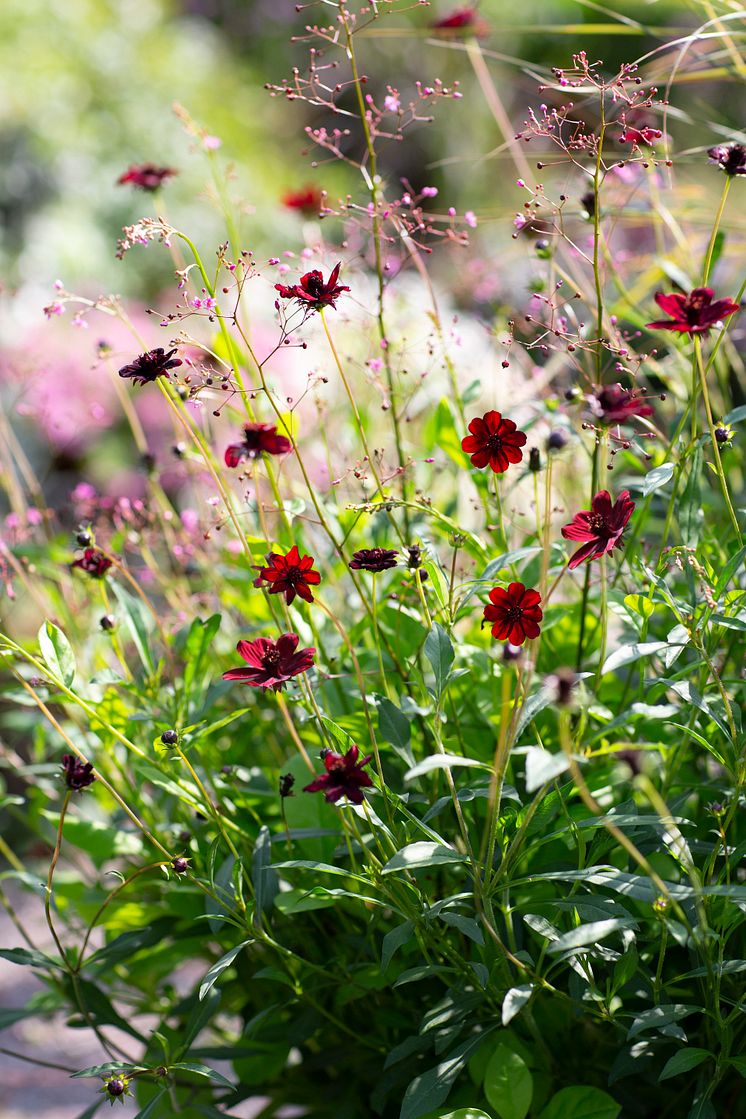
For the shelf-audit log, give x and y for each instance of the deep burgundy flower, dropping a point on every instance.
(639, 136)
(150, 366)
(308, 200)
(146, 176)
(515, 613)
(78, 775)
(271, 663)
(311, 290)
(93, 562)
(373, 559)
(290, 575)
(730, 158)
(694, 313)
(613, 404)
(286, 785)
(600, 527)
(495, 441)
(258, 439)
(344, 777)
(461, 19)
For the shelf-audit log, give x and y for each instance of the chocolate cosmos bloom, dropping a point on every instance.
(600, 527)
(461, 19)
(307, 200)
(373, 559)
(78, 775)
(616, 405)
(730, 158)
(258, 439)
(93, 562)
(312, 292)
(146, 176)
(271, 663)
(694, 313)
(344, 777)
(495, 441)
(290, 575)
(150, 366)
(515, 613)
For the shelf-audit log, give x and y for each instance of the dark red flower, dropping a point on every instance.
(93, 562)
(614, 404)
(78, 775)
(637, 136)
(600, 527)
(373, 559)
(308, 200)
(515, 613)
(461, 19)
(271, 663)
(730, 158)
(495, 441)
(150, 366)
(311, 290)
(694, 313)
(290, 575)
(146, 176)
(344, 777)
(258, 439)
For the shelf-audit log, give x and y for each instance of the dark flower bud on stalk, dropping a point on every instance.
(77, 774)
(556, 440)
(730, 158)
(169, 737)
(511, 652)
(723, 434)
(286, 785)
(543, 249)
(534, 460)
(588, 202)
(108, 622)
(180, 865)
(564, 682)
(84, 538)
(116, 1087)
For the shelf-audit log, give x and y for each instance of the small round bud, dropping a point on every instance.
(543, 249)
(84, 538)
(572, 393)
(180, 865)
(107, 623)
(511, 652)
(723, 434)
(564, 681)
(556, 440)
(116, 1087)
(169, 737)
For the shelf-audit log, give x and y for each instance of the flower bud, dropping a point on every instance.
(107, 623)
(556, 440)
(534, 460)
(169, 737)
(180, 865)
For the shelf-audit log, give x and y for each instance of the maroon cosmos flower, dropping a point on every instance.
(150, 366)
(515, 613)
(373, 559)
(312, 292)
(465, 19)
(613, 404)
(495, 441)
(730, 158)
(258, 439)
(600, 527)
(694, 313)
(93, 562)
(146, 176)
(344, 777)
(637, 136)
(308, 200)
(271, 663)
(77, 774)
(290, 575)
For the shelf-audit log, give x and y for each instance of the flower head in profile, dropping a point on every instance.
(514, 613)
(601, 527)
(77, 774)
(494, 441)
(270, 664)
(307, 200)
(290, 575)
(146, 176)
(344, 777)
(373, 559)
(730, 158)
(638, 136)
(312, 292)
(150, 366)
(613, 404)
(461, 21)
(94, 562)
(695, 313)
(258, 439)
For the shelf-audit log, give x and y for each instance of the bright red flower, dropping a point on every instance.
(344, 777)
(146, 176)
(271, 663)
(150, 366)
(600, 527)
(637, 136)
(616, 405)
(515, 613)
(258, 439)
(290, 575)
(495, 441)
(308, 200)
(93, 562)
(694, 313)
(311, 290)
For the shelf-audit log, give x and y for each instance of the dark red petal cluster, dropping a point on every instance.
(600, 527)
(373, 559)
(308, 200)
(515, 613)
(639, 136)
(146, 176)
(461, 19)
(312, 291)
(494, 440)
(77, 774)
(613, 404)
(93, 562)
(290, 575)
(258, 439)
(730, 158)
(695, 313)
(150, 366)
(270, 664)
(344, 777)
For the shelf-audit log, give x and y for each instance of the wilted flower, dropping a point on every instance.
(271, 663)
(308, 200)
(258, 439)
(93, 562)
(601, 526)
(494, 440)
(694, 313)
(373, 559)
(286, 785)
(146, 176)
(312, 292)
(515, 613)
(77, 774)
(344, 777)
(290, 575)
(730, 158)
(150, 366)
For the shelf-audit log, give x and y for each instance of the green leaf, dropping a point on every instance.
(739, 1063)
(139, 623)
(57, 653)
(589, 934)
(105, 1070)
(28, 957)
(101, 841)
(581, 1103)
(543, 766)
(431, 1088)
(150, 1108)
(218, 968)
(466, 925)
(439, 651)
(463, 1113)
(416, 855)
(203, 1070)
(655, 479)
(508, 1084)
(640, 604)
(683, 1061)
(690, 513)
(394, 726)
(199, 639)
(659, 1016)
(264, 878)
(443, 761)
(393, 941)
(514, 1001)
(628, 654)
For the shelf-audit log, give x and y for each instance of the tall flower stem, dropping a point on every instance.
(715, 228)
(587, 580)
(715, 447)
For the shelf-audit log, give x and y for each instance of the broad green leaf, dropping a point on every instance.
(152, 1107)
(203, 1070)
(393, 941)
(439, 651)
(219, 967)
(57, 653)
(659, 1016)
(28, 957)
(466, 925)
(107, 1069)
(421, 854)
(628, 654)
(589, 934)
(463, 1113)
(581, 1103)
(640, 604)
(431, 1088)
(514, 1001)
(508, 1084)
(394, 726)
(443, 761)
(139, 624)
(263, 877)
(683, 1061)
(655, 479)
(543, 766)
